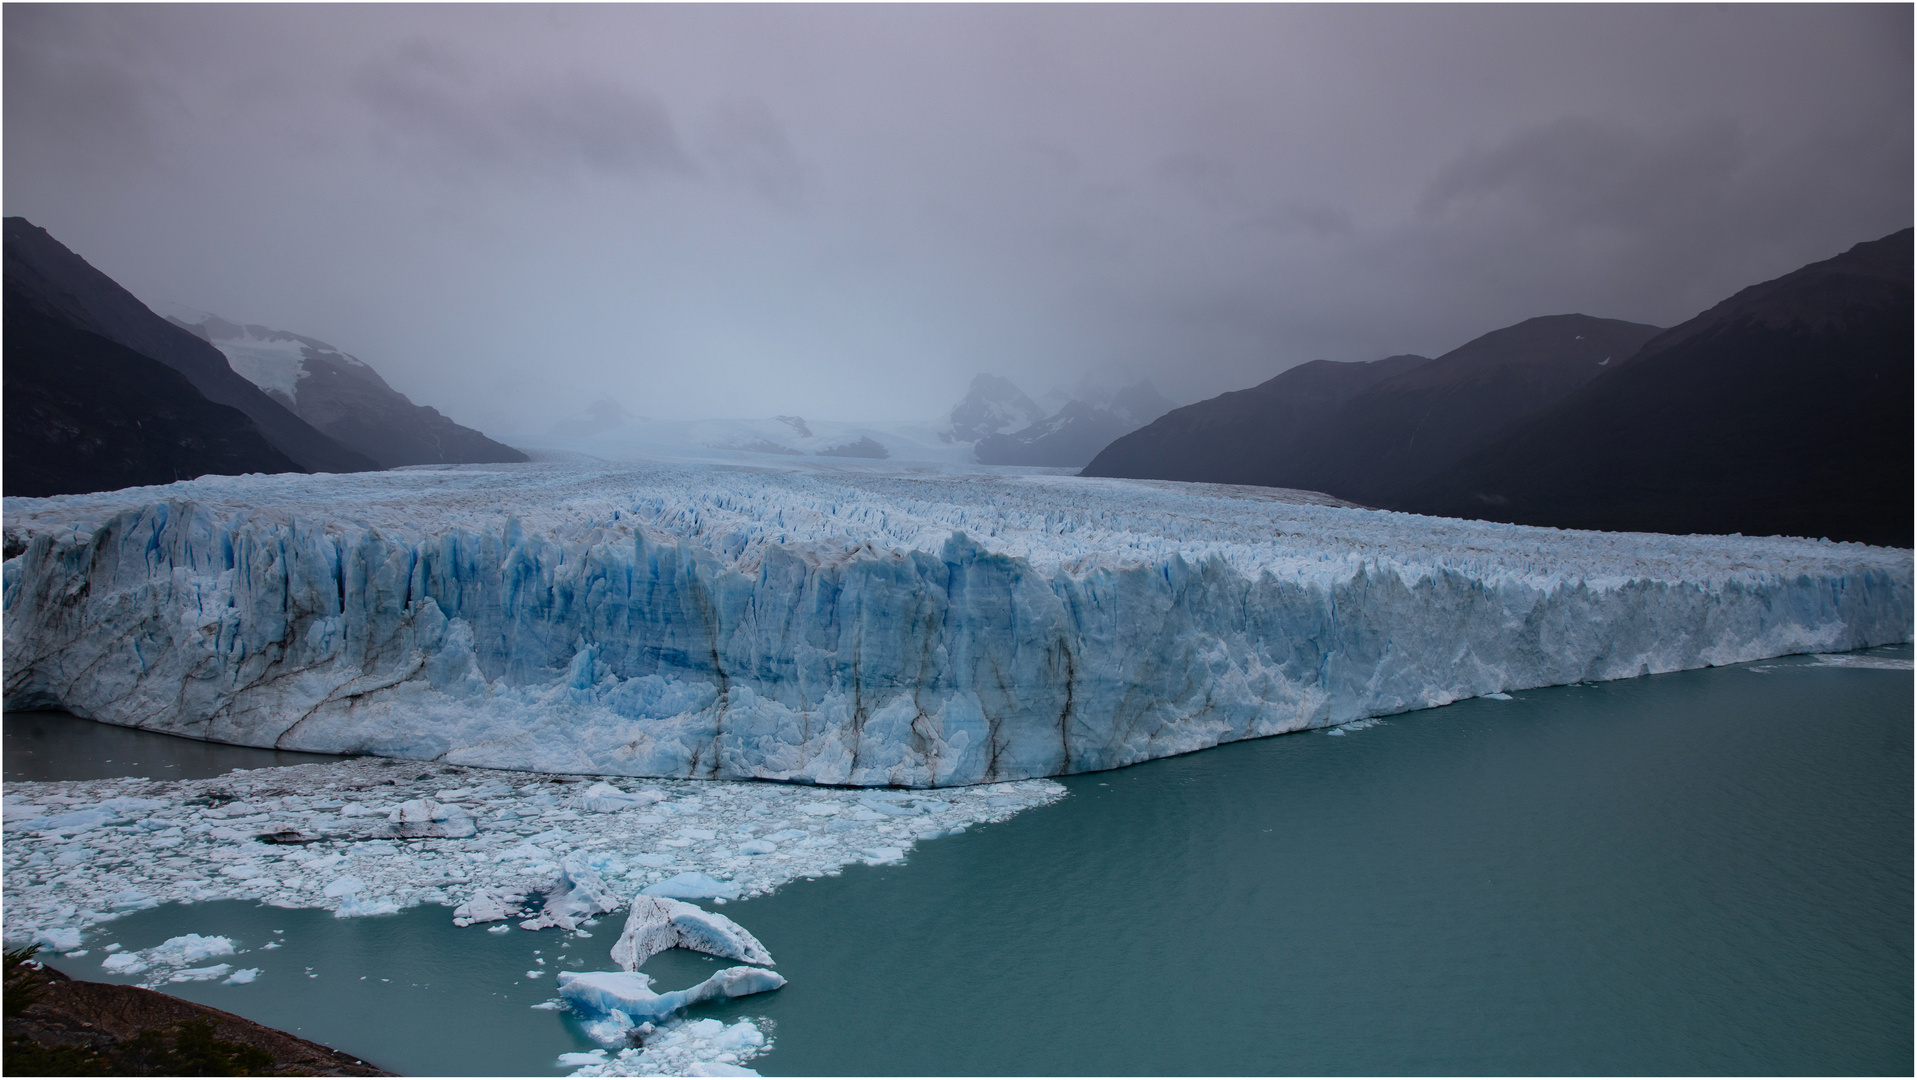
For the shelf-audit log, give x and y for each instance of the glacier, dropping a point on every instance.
(850, 623)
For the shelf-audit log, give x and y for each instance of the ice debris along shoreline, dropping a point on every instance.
(543, 851)
(850, 627)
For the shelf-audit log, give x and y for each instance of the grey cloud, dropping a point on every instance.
(1581, 171)
(1210, 181)
(748, 144)
(433, 104)
(79, 88)
(1320, 220)
(851, 209)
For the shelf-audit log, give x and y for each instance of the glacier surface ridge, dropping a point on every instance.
(850, 624)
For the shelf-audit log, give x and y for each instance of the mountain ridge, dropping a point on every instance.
(345, 397)
(54, 280)
(1784, 409)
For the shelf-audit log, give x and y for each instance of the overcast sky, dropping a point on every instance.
(848, 211)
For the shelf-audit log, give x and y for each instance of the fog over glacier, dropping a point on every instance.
(846, 213)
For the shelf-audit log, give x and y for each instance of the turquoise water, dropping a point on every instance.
(1705, 872)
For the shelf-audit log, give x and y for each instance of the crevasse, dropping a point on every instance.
(849, 628)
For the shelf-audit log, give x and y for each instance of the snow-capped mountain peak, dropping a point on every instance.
(993, 404)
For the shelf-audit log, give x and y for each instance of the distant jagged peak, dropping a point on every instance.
(1114, 388)
(1140, 402)
(273, 360)
(338, 393)
(219, 332)
(992, 405)
(180, 314)
(864, 447)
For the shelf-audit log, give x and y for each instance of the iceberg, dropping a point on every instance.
(581, 895)
(692, 885)
(847, 626)
(488, 905)
(630, 994)
(658, 923)
(59, 939)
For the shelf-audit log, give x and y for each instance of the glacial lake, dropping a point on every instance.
(1704, 872)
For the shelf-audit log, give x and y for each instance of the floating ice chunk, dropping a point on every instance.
(128, 804)
(529, 851)
(875, 856)
(187, 948)
(703, 1047)
(488, 905)
(124, 963)
(657, 923)
(1498, 697)
(133, 900)
(427, 817)
(74, 823)
(242, 976)
(1878, 663)
(499, 929)
(344, 885)
(892, 808)
(614, 1028)
(602, 993)
(201, 974)
(572, 1060)
(15, 811)
(58, 939)
(819, 809)
(353, 907)
(603, 798)
(582, 893)
(758, 847)
(692, 885)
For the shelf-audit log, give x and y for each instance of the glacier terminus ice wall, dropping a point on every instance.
(849, 625)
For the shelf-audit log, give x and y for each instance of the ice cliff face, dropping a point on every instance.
(848, 627)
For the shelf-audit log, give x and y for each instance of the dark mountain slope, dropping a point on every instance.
(1410, 427)
(86, 414)
(1786, 409)
(1238, 437)
(62, 285)
(345, 398)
